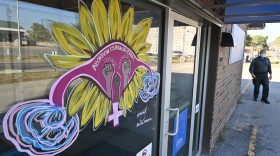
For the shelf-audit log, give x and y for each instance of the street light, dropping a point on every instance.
(10, 14)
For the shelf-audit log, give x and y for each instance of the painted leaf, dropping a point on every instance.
(133, 90)
(115, 19)
(101, 21)
(66, 36)
(141, 71)
(87, 25)
(66, 61)
(122, 106)
(127, 22)
(78, 97)
(89, 106)
(128, 100)
(144, 58)
(139, 34)
(138, 82)
(143, 49)
(107, 104)
(100, 111)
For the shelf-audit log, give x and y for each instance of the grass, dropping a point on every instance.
(274, 60)
(221, 137)
(8, 78)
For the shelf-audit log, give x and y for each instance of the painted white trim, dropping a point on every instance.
(166, 77)
(201, 89)
(204, 88)
(184, 19)
(160, 4)
(194, 89)
(166, 81)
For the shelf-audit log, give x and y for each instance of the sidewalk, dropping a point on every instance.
(254, 127)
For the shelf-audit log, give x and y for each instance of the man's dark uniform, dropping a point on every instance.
(260, 67)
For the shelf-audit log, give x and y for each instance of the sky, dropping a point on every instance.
(272, 30)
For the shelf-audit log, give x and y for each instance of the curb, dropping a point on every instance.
(252, 144)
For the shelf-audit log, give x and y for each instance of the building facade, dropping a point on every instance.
(115, 78)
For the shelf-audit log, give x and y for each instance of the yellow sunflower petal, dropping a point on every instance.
(66, 61)
(139, 34)
(87, 25)
(127, 22)
(115, 19)
(64, 35)
(101, 21)
(78, 45)
(143, 48)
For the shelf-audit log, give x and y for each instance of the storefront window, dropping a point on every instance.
(79, 78)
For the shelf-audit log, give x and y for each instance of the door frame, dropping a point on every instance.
(171, 16)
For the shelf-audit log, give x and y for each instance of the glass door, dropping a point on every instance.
(201, 84)
(180, 85)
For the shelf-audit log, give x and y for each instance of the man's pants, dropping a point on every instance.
(261, 79)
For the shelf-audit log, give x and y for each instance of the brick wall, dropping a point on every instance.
(227, 90)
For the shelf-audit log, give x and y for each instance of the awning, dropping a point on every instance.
(249, 11)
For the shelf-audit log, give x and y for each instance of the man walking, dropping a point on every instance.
(259, 68)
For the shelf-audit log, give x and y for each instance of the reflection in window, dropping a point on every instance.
(182, 68)
(24, 72)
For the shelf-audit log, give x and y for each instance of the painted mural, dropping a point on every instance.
(108, 60)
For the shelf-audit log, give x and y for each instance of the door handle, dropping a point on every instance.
(177, 121)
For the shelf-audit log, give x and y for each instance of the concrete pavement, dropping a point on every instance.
(254, 127)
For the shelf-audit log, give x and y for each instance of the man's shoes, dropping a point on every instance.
(255, 99)
(265, 101)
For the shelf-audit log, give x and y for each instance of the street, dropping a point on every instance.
(32, 58)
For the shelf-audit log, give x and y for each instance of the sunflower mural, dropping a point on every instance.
(108, 57)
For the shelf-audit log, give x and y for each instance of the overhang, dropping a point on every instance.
(248, 11)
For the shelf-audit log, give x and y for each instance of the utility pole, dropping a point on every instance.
(19, 38)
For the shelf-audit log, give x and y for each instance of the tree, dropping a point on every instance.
(39, 33)
(277, 42)
(259, 41)
(248, 41)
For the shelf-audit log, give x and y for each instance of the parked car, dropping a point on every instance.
(25, 41)
(177, 53)
(151, 54)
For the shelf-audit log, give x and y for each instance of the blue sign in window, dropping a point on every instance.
(179, 140)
